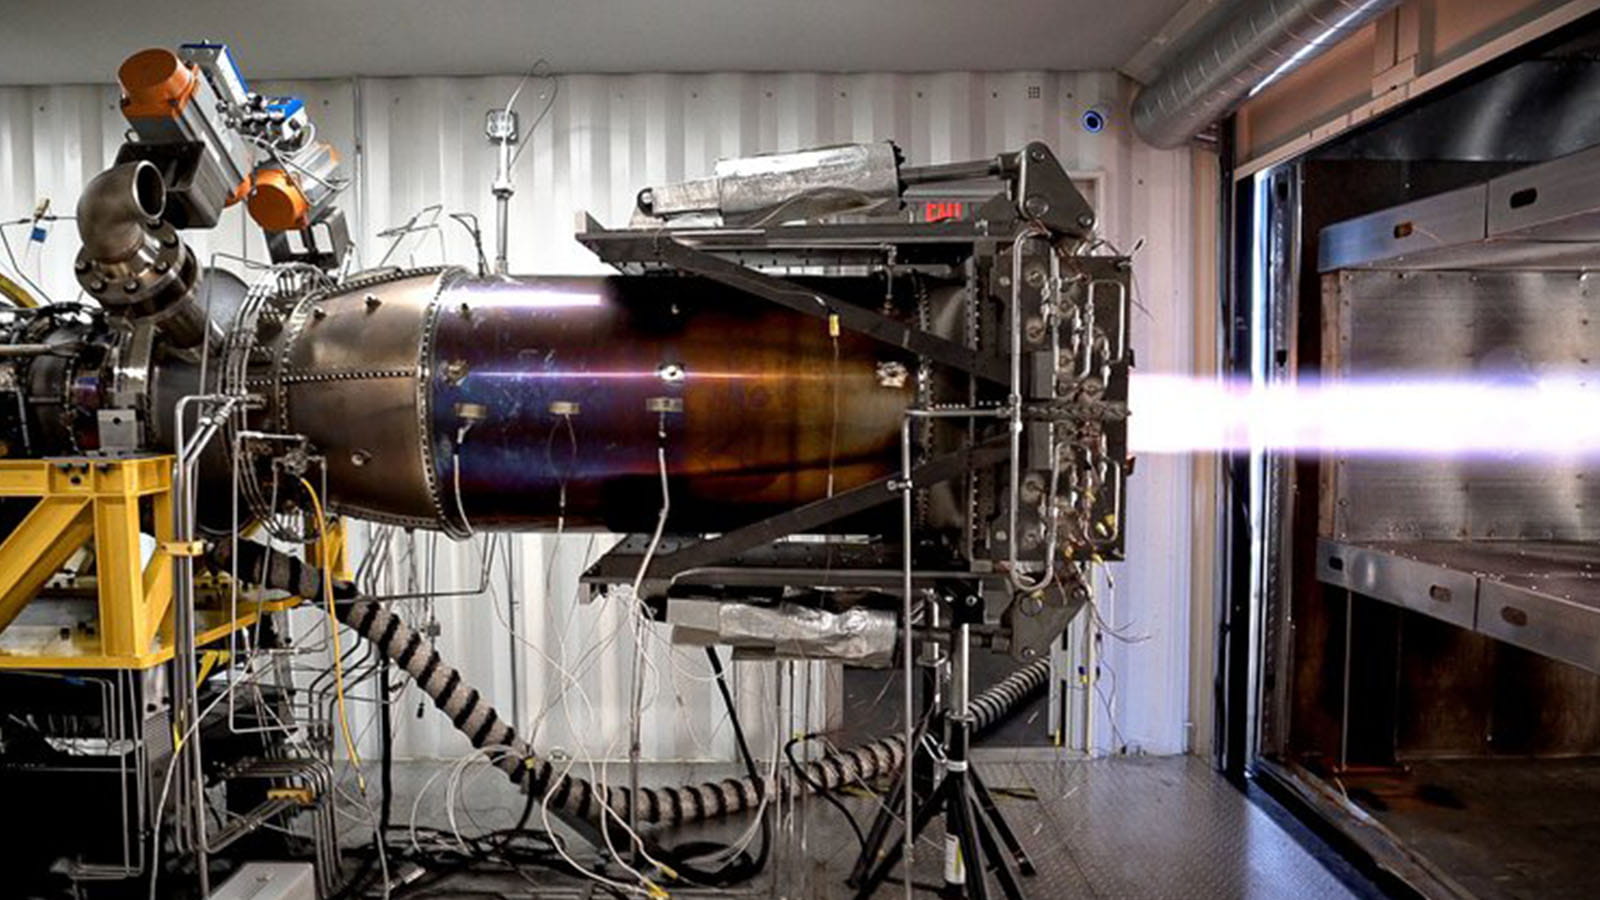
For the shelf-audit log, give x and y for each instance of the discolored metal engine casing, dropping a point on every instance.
(447, 401)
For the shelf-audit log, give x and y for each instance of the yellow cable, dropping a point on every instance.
(325, 563)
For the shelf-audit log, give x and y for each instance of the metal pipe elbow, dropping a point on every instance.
(119, 209)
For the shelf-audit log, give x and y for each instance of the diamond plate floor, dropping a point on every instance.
(1139, 827)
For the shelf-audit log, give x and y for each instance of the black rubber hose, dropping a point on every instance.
(475, 718)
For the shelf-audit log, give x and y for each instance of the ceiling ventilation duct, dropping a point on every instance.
(1244, 49)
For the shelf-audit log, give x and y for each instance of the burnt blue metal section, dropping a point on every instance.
(548, 388)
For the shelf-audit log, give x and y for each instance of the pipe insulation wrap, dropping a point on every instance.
(1246, 46)
(475, 718)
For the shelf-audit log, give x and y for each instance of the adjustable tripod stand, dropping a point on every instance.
(972, 840)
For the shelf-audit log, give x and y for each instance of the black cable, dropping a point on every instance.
(824, 793)
(742, 867)
(386, 771)
(733, 718)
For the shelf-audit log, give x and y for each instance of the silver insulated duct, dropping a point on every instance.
(1245, 47)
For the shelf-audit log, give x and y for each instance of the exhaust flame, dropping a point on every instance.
(1517, 416)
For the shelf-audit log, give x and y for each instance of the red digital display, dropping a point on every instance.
(940, 210)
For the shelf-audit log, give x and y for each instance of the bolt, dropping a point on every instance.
(131, 285)
(1037, 154)
(82, 265)
(1035, 205)
(373, 302)
(163, 266)
(360, 458)
(97, 285)
(972, 600)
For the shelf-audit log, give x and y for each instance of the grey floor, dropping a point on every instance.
(1500, 828)
(1119, 827)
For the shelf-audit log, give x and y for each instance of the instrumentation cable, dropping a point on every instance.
(678, 805)
(325, 560)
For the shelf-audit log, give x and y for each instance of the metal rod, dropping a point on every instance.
(502, 235)
(503, 189)
(1013, 540)
(962, 171)
(185, 657)
(907, 492)
(7, 350)
(1344, 702)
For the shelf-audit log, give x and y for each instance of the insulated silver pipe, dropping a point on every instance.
(1249, 46)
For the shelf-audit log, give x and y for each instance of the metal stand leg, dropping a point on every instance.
(878, 834)
(980, 792)
(969, 810)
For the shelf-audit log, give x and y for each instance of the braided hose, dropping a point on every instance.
(483, 727)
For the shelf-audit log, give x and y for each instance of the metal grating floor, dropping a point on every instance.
(1502, 829)
(1151, 827)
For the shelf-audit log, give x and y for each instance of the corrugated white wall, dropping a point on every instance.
(413, 143)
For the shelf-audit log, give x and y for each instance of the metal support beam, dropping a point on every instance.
(38, 548)
(668, 250)
(813, 515)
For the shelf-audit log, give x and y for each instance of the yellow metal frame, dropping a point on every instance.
(96, 503)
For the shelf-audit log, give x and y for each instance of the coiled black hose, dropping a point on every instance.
(476, 719)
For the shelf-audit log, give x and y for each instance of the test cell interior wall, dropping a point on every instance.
(418, 143)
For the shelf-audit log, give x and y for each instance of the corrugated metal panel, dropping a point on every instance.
(416, 143)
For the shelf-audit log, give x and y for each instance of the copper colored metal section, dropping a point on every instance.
(543, 397)
(543, 382)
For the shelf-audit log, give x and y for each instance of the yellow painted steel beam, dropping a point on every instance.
(158, 585)
(143, 476)
(125, 625)
(52, 531)
(84, 651)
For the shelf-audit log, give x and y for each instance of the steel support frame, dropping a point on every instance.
(93, 503)
(622, 247)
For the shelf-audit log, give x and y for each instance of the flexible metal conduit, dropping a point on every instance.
(1245, 47)
(476, 719)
